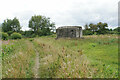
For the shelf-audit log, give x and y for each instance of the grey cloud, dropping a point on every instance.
(92, 14)
(78, 13)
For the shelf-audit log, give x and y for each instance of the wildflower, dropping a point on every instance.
(9, 70)
(6, 73)
(79, 76)
(64, 63)
(69, 62)
(73, 70)
(12, 69)
(66, 73)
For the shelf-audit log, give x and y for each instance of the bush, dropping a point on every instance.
(4, 36)
(29, 34)
(22, 32)
(31, 39)
(16, 36)
(10, 32)
(87, 32)
(33, 35)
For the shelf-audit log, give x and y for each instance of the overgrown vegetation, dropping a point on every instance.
(17, 59)
(99, 28)
(39, 26)
(16, 36)
(11, 25)
(42, 26)
(4, 36)
(95, 56)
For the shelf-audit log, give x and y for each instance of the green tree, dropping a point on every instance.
(41, 25)
(0, 28)
(93, 27)
(117, 30)
(6, 25)
(86, 27)
(11, 25)
(15, 25)
(102, 28)
(87, 30)
(16, 35)
(4, 36)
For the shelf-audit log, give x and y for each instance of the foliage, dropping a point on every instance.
(102, 27)
(10, 32)
(86, 27)
(6, 25)
(11, 25)
(0, 28)
(95, 56)
(99, 28)
(29, 34)
(17, 59)
(7, 49)
(117, 30)
(4, 36)
(16, 36)
(22, 32)
(87, 32)
(70, 58)
(41, 25)
(93, 27)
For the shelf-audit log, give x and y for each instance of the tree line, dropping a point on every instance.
(99, 28)
(39, 26)
(42, 26)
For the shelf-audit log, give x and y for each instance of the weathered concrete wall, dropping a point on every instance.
(72, 32)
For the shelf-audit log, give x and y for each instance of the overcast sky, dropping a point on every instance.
(62, 12)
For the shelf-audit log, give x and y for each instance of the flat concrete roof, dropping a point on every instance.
(62, 27)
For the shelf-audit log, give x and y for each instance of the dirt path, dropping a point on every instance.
(36, 67)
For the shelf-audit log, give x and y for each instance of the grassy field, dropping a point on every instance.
(94, 56)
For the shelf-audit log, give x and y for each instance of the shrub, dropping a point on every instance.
(10, 32)
(33, 35)
(31, 39)
(87, 32)
(16, 36)
(29, 34)
(4, 36)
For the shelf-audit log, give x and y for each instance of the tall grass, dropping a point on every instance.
(92, 57)
(18, 59)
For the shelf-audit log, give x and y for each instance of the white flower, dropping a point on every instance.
(6, 72)
(9, 70)
(69, 62)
